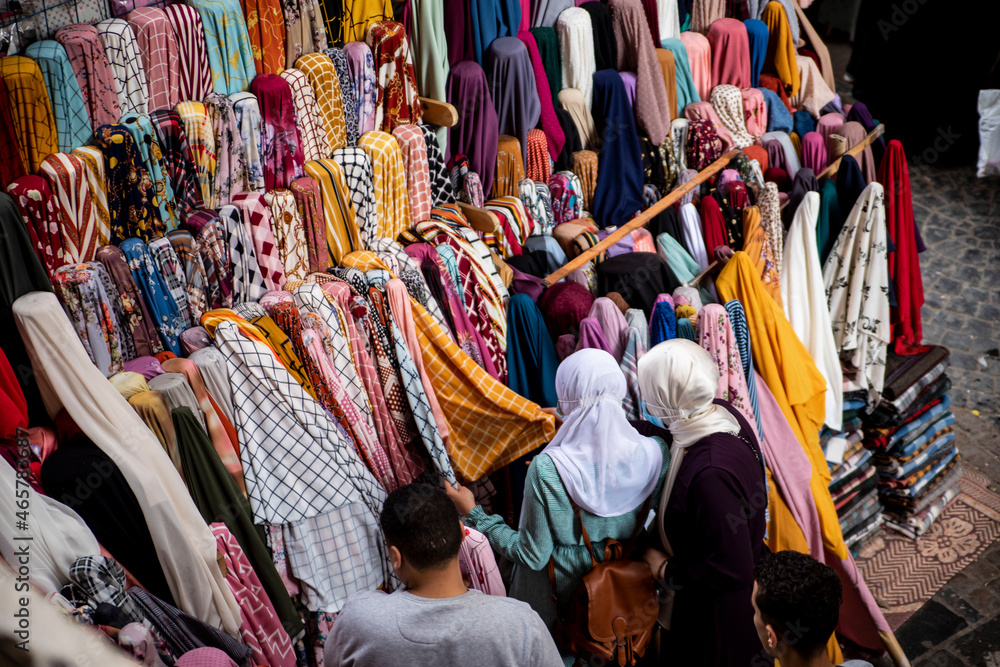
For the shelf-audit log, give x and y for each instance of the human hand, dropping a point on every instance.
(655, 559)
(554, 413)
(462, 497)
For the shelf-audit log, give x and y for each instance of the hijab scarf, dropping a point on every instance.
(814, 94)
(728, 104)
(704, 13)
(856, 275)
(169, 266)
(34, 128)
(231, 173)
(686, 90)
(315, 142)
(781, 54)
(431, 46)
(322, 75)
(791, 157)
(576, 46)
(281, 150)
(703, 144)
(158, 46)
(731, 64)
(359, 177)
(228, 43)
(757, 37)
(257, 220)
(148, 143)
(346, 92)
(341, 229)
(137, 322)
(512, 89)
(669, 71)
(68, 108)
(476, 134)
(308, 200)
(121, 48)
(247, 281)
(361, 68)
(266, 29)
(618, 195)
(86, 54)
(612, 323)
(757, 246)
(130, 195)
(699, 53)
(247, 110)
(636, 53)
(189, 258)
(194, 73)
(78, 217)
(607, 467)
(754, 111)
(397, 85)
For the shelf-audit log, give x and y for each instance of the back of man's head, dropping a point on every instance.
(422, 522)
(799, 598)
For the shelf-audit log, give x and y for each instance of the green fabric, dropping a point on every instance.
(685, 329)
(217, 497)
(430, 47)
(677, 256)
(829, 212)
(548, 49)
(548, 528)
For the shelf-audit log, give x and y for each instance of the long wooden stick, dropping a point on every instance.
(854, 150)
(641, 219)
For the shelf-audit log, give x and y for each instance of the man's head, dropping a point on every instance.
(796, 604)
(422, 529)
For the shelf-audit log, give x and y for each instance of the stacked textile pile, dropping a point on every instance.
(912, 440)
(853, 478)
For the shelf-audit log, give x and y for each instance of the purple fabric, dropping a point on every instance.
(524, 283)
(814, 153)
(775, 154)
(476, 134)
(628, 78)
(565, 346)
(554, 135)
(458, 31)
(728, 176)
(623, 247)
(147, 367)
(512, 88)
(194, 339)
(592, 336)
(613, 324)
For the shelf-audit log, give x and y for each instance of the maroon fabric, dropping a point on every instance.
(713, 224)
(564, 306)
(281, 146)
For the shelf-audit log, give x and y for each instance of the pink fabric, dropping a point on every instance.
(257, 220)
(637, 53)
(260, 628)
(814, 153)
(855, 133)
(479, 565)
(90, 65)
(554, 136)
(700, 60)
(160, 59)
(612, 323)
(860, 616)
(755, 111)
(206, 656)
(715, 334)
(418, 176)
(404, 465)
(642, 241)
(829, 124)
(705, 111)
(402, 314)
(730, 53)
(592, 336)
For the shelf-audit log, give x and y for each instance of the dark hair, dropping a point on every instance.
(800, 597)
(421, 521)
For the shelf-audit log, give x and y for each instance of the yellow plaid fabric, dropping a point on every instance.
(322, 75)
(341, 227)
(392, 207)
(30, 109)
(201, 139)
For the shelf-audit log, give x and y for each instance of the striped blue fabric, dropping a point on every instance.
(738, 320)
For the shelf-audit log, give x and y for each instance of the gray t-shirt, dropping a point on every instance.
(379, 630)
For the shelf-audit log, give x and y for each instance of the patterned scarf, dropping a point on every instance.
(172, 271)
(86, 54)
(442, 191)
(125, 62)
(397, 85)
(180, 167)
(289, 233)
(118, 313)
(194, 71)
(138, 321)
(156, 293)
(312, 132)
(364, 82)
(66, 175)
(281, 147)
(90, 310)
(43, 218)
(201, 142)
(248, 119)
(230, 175)
(214, 249)
(188, 254)
(148, 143)
(158, 45)
(309, 202)
(68, 108)
(418, 179)
(346, 92)
(248, 283)
(130, 195)
(389, 182)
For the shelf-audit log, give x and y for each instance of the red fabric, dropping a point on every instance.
(713, 224)
(730, 53)
(904, 264)
(13, 406)
(775, 85)
(757, 153)
(554, 136)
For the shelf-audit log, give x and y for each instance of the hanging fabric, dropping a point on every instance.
(476, 134)
(618, 195)
(156, 293)
(230, 175)
(147, 141)
(281, 149)
(11, 162)
(315, 142)
(289, 233)
(392, 209)
(364, 81)
(177, 156)
(93, 163)
(32, 114)
(66, 100)
(322, 75)
(397, 86)
(195, 74)
(66, 175)
(341, 233)
(730, 53)
(125, 61)
(576, 47)
(229, 52)
(266, 31)
(699, 53)
(130, 202)
(247, 110)
(86, 53)
(158, 46)
(781, 47)
(339, 60)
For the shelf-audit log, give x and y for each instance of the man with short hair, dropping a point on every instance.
(434, 620)
(796, 603)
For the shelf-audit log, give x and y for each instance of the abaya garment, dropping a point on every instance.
(86, 53)
(158, 46)
(475, 135)
(618, 196)
(512, 89)
(576, 46)
(730, 53)
(397, 84)
(192, 55)
(757, 37)
(686, 90)
(699, 53)
(281, 145)
(781, 52)
(636, 53)
(68, 108)
(531, 356)
(31, 111)
(605, 43)
(804, 297)
(554, 136)
(125, 61)
(904, 264)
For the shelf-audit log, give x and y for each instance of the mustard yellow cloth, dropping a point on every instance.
(780, 48)
(342, 236)
(757, 248)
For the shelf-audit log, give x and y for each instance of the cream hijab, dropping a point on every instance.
(68, 380)
(678, 379)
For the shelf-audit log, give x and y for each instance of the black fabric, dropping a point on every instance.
(652, 164)
(219, 499)
(433, 279)
(732, 219)
(667, 222)
(805, 182)
(605, 44)
(639, 277)
(565, 160)
(533, 263)
(20, 272)
(85, 479)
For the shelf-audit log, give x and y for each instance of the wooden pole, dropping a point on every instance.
(854, 150)
(641, 219)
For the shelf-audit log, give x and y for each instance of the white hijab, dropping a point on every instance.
(678, 379)
(607, 467)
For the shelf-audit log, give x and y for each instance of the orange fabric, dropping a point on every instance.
(266, 27)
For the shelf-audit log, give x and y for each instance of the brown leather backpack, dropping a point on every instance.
(613, 613)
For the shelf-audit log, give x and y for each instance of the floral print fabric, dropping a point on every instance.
(43, 218)
(130, 190)
(148, 143)
(90, 310)
(397, 84)
(156, 294)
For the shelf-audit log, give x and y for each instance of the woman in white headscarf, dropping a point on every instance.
(598, 462)
(712, 510)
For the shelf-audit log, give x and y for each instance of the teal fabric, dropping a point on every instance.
(829, 215)
(228, 44)
(68, 107)
(531, 356)
(548, 49)
(549, 528)
(686, 91)
(677, 256)
(685, 329)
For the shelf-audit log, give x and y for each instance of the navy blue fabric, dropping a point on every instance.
(618, 195)
(804, 123)
(663, 324)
